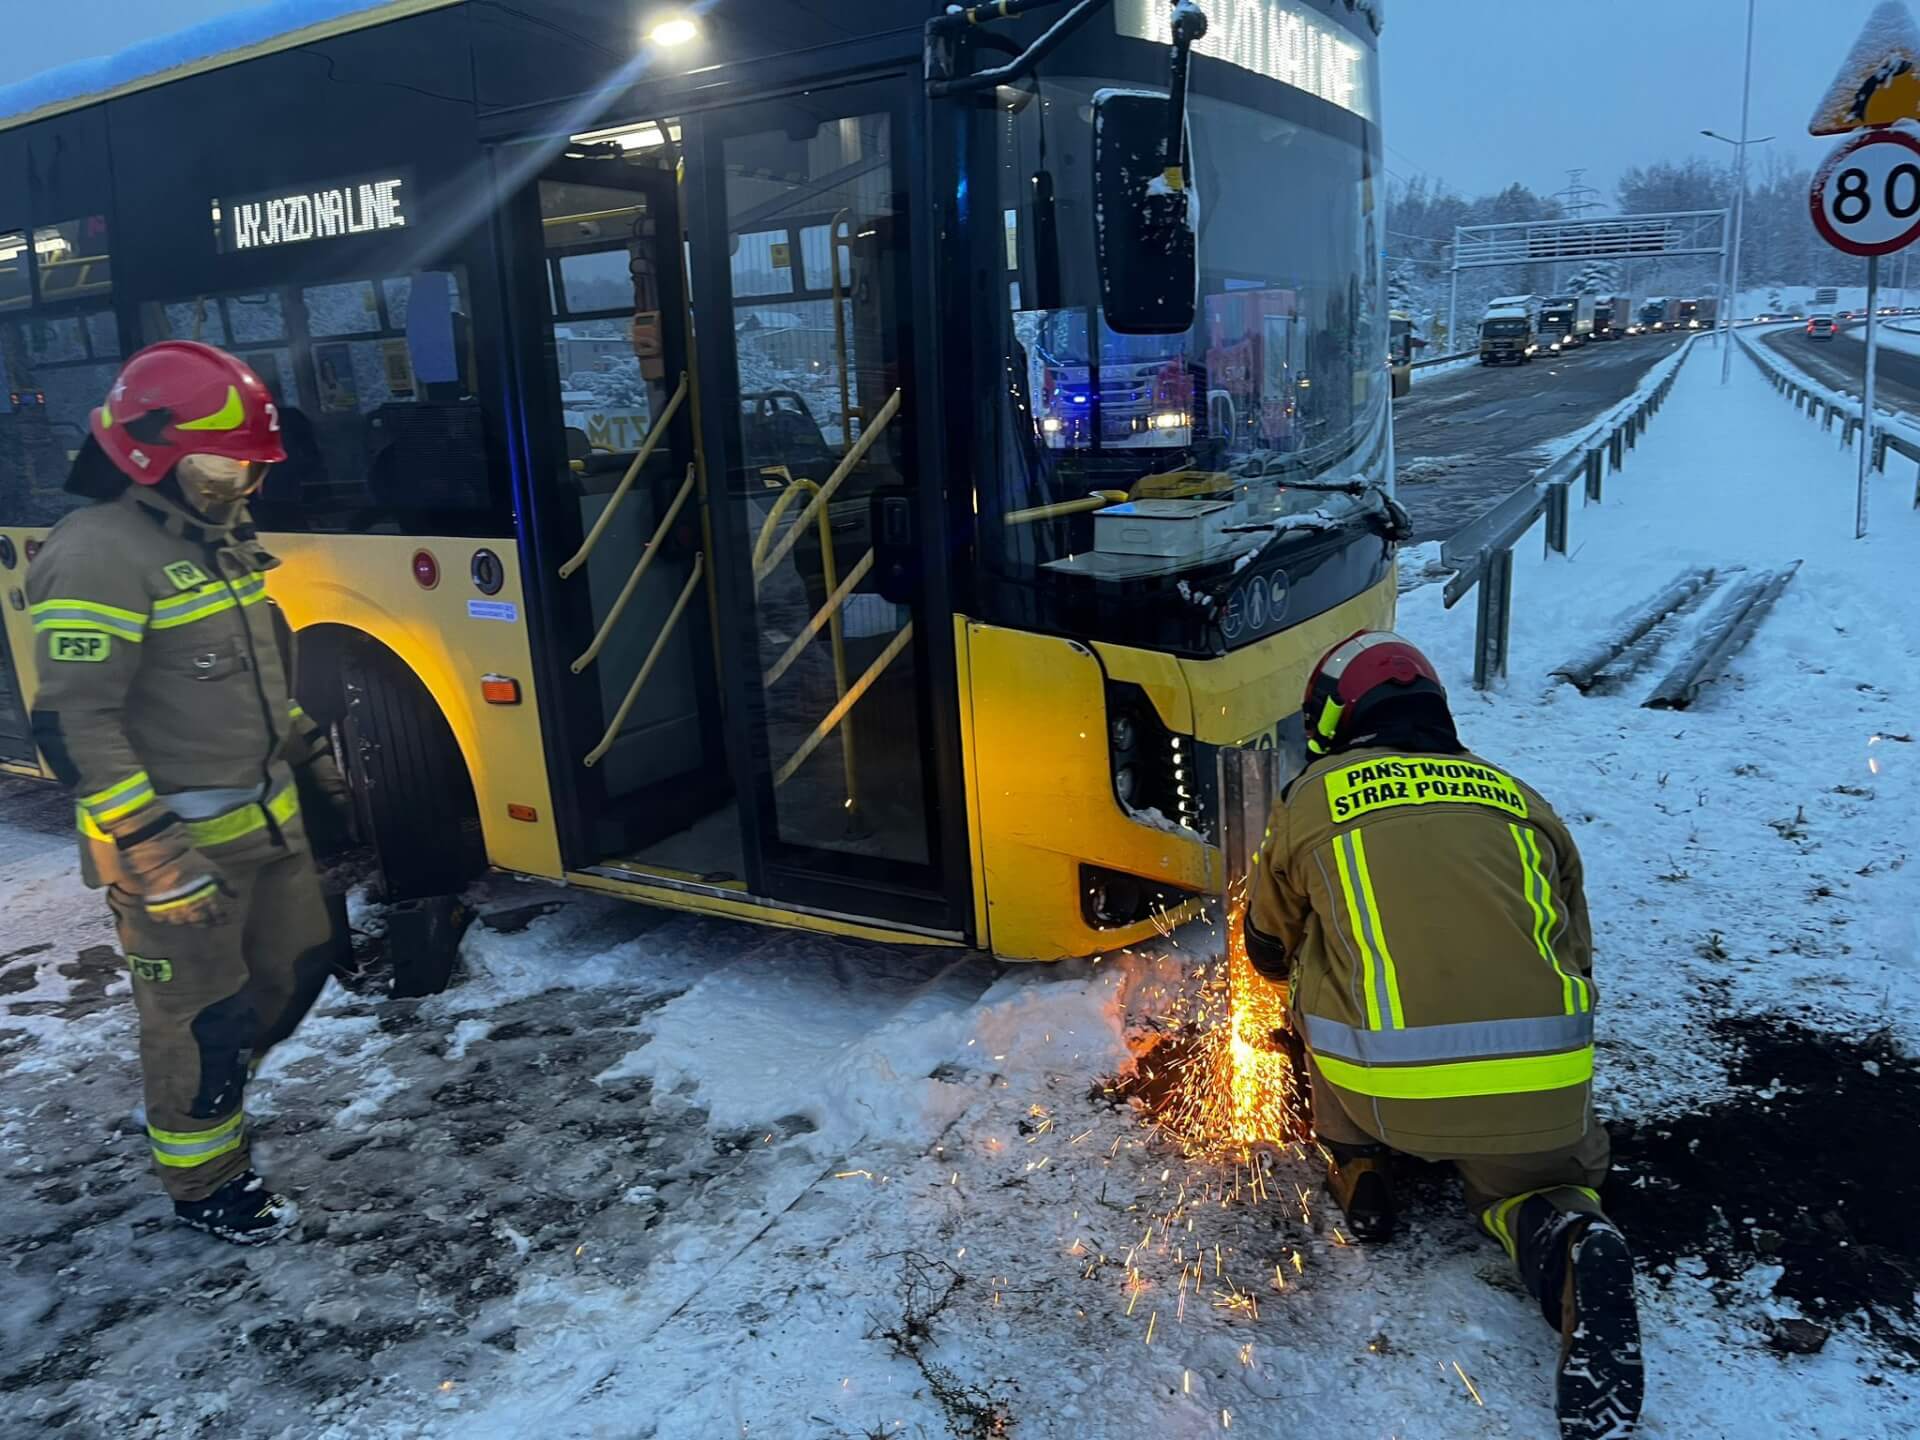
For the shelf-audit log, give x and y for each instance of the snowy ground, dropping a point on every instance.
(656, 1176)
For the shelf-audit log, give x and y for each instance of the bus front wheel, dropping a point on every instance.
(416, 800)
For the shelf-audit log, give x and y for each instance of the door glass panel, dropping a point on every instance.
(819, 349)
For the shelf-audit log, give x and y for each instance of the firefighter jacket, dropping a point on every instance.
(1427, 912)
(162, 693)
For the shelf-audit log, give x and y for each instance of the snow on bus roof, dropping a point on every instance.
(205, 46)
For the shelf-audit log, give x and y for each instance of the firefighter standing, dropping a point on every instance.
(164, 703)
(1426, 913)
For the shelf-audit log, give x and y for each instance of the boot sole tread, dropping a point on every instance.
(1602, 1378)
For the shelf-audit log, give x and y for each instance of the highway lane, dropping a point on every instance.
(1465, 439)
(1842, 363)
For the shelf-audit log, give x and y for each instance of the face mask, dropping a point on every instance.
(212, 482)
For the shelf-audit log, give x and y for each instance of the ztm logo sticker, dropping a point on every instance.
(88, 649)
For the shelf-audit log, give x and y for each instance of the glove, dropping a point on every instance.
(326, 803)
(176, 883)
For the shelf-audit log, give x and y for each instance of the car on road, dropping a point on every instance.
(1821, 327)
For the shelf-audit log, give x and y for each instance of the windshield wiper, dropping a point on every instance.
(944, 29)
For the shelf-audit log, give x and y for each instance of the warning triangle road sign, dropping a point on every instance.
(1879, 83)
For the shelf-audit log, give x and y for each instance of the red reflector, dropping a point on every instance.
(33, 549)
(522, 812)
(499, 690)
(426, 569)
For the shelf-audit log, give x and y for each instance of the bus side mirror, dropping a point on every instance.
(1143, 217)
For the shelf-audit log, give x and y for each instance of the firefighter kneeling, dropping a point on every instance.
(1426, 913)
(164, 703)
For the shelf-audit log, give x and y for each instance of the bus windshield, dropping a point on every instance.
(1274, 398)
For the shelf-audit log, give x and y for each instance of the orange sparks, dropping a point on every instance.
(853, 1174)
(1152, 1320)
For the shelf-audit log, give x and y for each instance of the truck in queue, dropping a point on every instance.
(1506, 335)
(1565, 322)
(1657, 313)
(1612, 317)
(1699, 314)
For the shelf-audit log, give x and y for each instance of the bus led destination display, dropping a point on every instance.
(331, 212)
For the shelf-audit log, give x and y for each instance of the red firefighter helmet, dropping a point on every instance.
(180, 398)
(1366, 667)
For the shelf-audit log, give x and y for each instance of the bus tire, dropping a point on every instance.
(410, 782)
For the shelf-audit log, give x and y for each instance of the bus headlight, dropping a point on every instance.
(1051, 425)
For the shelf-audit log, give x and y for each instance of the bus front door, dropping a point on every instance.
(832, 633)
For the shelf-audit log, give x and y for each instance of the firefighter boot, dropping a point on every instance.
(1362, 1185)
(1601, 1379)
(243, 1211)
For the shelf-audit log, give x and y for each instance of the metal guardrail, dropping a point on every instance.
(1893, 429)
(1445, 359)
(1481, 551)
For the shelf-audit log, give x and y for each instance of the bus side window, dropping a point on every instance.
(54, 369)
(375, 382)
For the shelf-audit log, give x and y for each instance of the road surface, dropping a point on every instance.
(1842, 363)
(1463, 440)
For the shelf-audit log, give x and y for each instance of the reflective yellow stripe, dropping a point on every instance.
(1380, 980)
(230, 416)
(199, 1137)
(1497, 1218)
(1378, 935)
(182, 1149)
(209, 599)
(1513, 1075)
(1539, 893)
(1359, 935)
(167, 907)
(240, 823)
(69, 614)
(118, 801)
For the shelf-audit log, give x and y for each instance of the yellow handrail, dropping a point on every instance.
(824, 495)
(828, 613)
(1095, 500)
(599, 752)
(626, 481)
(846, 703)
(633, 581)
(830, 571)
(794, 488)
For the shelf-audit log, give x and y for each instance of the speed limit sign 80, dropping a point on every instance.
(1866, 199)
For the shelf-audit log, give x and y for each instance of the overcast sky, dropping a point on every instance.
(1479, 93)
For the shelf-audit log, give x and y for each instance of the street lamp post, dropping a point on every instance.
(1739, 197)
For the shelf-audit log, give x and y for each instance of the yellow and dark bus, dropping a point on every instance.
(718, 471)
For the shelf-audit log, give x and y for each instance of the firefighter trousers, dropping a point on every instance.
(212, 1000)
(1500, 1187)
